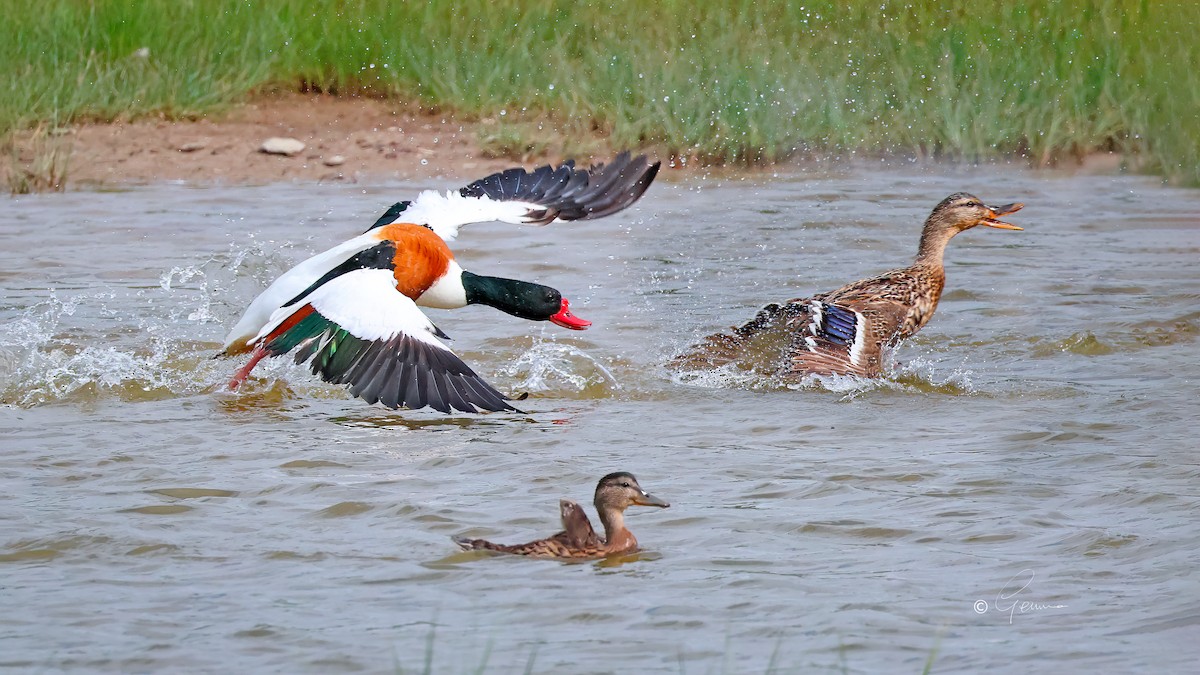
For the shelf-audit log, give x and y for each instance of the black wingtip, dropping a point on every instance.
(567, 193)
(391, 215)
(401, 371)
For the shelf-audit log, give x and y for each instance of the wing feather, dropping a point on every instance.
(536, 197)
(578, 532)
(288, 286)
(831, 339)
(358, 331)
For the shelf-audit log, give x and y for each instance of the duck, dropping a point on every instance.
(578, 541)
(847, 331)
(353, 312)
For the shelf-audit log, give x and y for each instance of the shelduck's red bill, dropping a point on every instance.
(566, 319)
(997, 211)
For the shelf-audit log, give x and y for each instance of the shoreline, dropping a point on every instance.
(351, 140)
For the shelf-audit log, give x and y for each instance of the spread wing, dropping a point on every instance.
(537, 197)
(287, 286)
(356, 329)
(577, 529)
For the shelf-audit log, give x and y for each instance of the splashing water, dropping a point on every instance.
(561, 370)
(78, 348)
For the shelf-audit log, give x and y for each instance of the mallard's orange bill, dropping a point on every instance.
(991, 221)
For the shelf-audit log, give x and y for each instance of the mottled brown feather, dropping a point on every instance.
(894, 306)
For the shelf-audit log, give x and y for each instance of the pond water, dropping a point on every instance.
(1021, 492)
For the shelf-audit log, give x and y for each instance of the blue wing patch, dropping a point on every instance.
(838, 325)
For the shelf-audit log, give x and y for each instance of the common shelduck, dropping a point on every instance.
(578, 540)
(846, 331)
(353, 310)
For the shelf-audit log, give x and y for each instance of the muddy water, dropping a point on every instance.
(1022, 492)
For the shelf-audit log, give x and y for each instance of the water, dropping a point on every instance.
(1035, 444)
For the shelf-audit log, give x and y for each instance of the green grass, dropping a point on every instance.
(722, 81)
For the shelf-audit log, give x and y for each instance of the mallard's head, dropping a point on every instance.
(618, 491)
(961, 211)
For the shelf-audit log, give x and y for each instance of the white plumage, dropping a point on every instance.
(366, 304)
(446, 213)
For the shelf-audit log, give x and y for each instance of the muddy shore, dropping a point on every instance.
(345, 140)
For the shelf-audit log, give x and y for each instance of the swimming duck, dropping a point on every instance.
(614, 493)
(846, 331)
(353, 310)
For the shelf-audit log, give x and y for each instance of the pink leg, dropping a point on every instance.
(240, 376)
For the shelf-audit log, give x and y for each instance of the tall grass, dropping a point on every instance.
(37, 161)
(726, 80)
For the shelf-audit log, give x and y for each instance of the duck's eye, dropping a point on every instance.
(625, 484)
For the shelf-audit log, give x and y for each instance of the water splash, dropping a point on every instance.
(561, 370)
(76, 348)
(917, 374)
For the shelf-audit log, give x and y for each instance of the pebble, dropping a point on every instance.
(282, 146)
(336, 160)
(193, 146)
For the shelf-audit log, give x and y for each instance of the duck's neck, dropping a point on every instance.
(507, 295)
(617, 539)
(933, 245)
(614, 523)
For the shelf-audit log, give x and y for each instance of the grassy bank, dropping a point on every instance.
(749, 80)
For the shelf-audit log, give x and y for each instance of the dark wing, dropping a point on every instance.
(568, 193)
(535, 197)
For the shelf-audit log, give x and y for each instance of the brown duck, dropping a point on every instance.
(614, 493)
(846, 331)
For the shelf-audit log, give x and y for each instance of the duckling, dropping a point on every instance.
(578, 541)
(847, 331)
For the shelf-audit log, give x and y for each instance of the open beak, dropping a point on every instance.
(647, 499)
(997, 211)
(566, 319)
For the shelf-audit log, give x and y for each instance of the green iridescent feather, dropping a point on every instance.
(310, 326)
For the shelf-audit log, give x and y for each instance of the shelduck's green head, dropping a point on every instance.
(522, 299)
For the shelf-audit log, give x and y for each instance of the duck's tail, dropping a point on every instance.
(468, 544)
